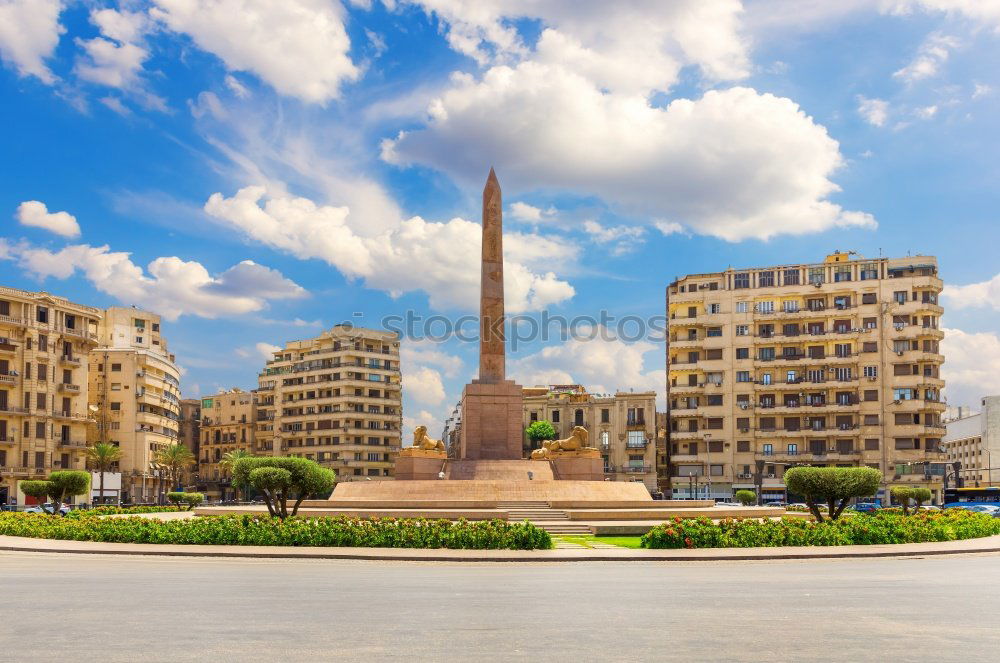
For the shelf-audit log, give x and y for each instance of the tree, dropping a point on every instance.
(921, 495)
(67, 483)
(903, 495)
(37, 489)
(190, 499)
(229, 459)
(175, 458)
(832, 486)
(540, 430)
(304, 478)
(746, 497)
(103, 456)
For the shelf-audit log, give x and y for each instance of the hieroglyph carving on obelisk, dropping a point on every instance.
(491, 312)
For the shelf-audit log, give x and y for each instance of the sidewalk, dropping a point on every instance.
(984, 545)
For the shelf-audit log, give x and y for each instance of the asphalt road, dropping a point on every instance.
(106, 608)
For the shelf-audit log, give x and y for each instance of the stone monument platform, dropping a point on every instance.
(400, 493)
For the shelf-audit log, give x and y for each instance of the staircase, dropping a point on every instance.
(542, 515)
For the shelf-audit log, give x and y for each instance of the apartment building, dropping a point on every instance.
(135, 397)
(228, 423)
(190, 425)
(335, 399)
(452, 433)
(971, 439)
(622, 425)
(44, 341)
(834, 363)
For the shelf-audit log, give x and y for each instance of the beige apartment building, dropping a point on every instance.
(335, 399)
(135, 397)
(228, 423)
(622, 425)
(190, 425)
(971, 440)
(44, 341)
(834, 363)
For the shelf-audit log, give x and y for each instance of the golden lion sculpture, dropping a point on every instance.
(423, 442)
(577, 441)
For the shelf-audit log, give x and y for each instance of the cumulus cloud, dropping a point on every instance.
(984, 12)
(668, 227)
(266, 350)
(874, 111)
(424, 385)
(972, 366)
(299, 47)
(619, 239)
(985, 294)
(524, 212)
(36, 214)
(440, 258)
(603, 365)
(932, 55)
(29, 33)
(735, 163)
(427, 353)
(169, 285)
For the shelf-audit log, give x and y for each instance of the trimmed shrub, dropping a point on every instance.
(114, 510)
(831, 486)
(903, 495)
(190, 500)
(305, 479)
(746, 497)
(880, 527)
(293, 531)
(60, 485)
(540, 430)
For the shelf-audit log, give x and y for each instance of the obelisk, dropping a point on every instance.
(492, 406)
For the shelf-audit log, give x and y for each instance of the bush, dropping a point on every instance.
(305, 478)
(903, 495)
(831, 486)
(540, 430)
(59, 486)
(114, 510)
(294, 531)
(191, 500)
(746, 497)
(880, 527)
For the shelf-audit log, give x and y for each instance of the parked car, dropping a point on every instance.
(47, 508)
(983, 508)
(774, 503)
(868, 507)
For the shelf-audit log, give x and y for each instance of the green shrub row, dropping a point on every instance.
(252, 530)
(864, 529)
(191, 500)
(109, 510)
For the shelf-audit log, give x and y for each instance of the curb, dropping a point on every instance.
(968, 546)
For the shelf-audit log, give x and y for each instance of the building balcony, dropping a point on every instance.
(69, 414)
(13, 321)
(687, 435)
(918, 381)
(8, 378)
(71, 444)
(78, 333)
(7, 440)
(69, 387)
(11, 409)
(917, 307)
(685, 343)
(911, 332)
(687, 388)
(70, 360)
(913, 356)
(916, 405)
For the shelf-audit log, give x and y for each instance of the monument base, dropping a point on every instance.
(492, 421)
(577, 468)
(416, 467)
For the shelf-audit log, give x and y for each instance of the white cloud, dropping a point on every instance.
(299, 47)
(734, 163)
(207, 103)
(115, 58)
(621, 239)
(440, 258)
(926, 112)
(932, 55)
(972, 365)
(985, 294)
(34, 213)
(603, 365)
(874, 111)
(529, 213)
(986, 12)
(426, 353)
(981, 90)
(169, 286)
(115, 104)
(424, 386)
(236, 87)
(266, 350)
(669, 227)
(29, 33)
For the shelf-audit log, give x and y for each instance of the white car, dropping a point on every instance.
(47, 508)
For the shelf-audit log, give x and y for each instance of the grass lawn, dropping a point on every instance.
(587, 541)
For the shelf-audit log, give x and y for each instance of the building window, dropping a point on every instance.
(743, 446)
(871, 371)
(869, 271)
(790, 305)
(791, 277)
(817, 275)
(765, 307)
(899, 296)
(742, 353)
(714, 331)
(743, 376)
(741, 280)
(555, 416)
(742, 330)
(605, 415)
(741, 307)
(606, 439)
(42, 314)
(714, 308)
(768, 449)
(841, 273)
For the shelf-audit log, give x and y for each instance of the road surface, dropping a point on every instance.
(110, 608)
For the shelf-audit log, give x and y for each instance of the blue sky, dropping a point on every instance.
(257, 171)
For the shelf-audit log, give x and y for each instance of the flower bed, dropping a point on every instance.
(251, 530)
(115, 510)
(862, 529)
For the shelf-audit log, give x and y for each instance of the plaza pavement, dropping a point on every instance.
(111, 609)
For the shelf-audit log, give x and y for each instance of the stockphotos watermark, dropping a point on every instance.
(524, 329)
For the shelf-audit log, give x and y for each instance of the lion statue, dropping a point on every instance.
(577, 441)
(423, 442)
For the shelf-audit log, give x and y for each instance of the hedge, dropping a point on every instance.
(864, 529)
(110, 510)
(252, 530)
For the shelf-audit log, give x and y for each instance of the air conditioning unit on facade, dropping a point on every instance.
(745, 476)
(872, 378)
(770, 476)
(744, 430)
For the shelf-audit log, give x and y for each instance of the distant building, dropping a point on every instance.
(190, 424)
(335, 399)
(622, 425)
(972, 440)
(452, 433)
(228, 423)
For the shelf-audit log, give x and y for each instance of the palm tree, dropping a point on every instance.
(103, 456)
(175, 458)
(229, 460)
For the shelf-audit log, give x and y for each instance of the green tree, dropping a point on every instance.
(540, 430)
(103, 456)
(226, 464)
(903, 495)
(831, 486)
(304, 478)
(175, 458)
(746, 497)
(921, 495)
(190, 499)
(67, 483)
(37, 489)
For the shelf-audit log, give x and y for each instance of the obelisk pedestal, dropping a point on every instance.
(492, 406)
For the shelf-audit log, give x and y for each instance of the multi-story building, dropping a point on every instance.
(971, 440)
(335, 399)
(228, 423)
(452, 433)
(621, 425)
(835, 363)
(44, 342)
(135, 397)
(190, 426)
